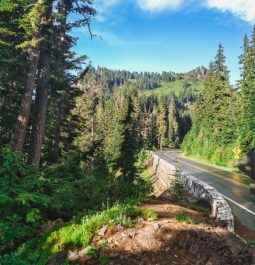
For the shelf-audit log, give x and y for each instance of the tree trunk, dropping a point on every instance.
(61, 40)
(33, 58)
(41, 99)
(57, 136)
(23, 117)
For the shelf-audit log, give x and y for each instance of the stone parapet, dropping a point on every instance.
(165, 173)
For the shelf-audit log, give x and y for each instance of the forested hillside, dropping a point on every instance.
(222, 118)
(185, 85)
(74, 138)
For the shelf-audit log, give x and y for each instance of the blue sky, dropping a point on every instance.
(164, 35)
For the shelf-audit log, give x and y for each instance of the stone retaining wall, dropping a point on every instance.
(165, 173)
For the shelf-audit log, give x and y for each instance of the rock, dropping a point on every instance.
(131, 235)
(82, 253)
(146, 238)
(72, 256)
(48, 226)
(85, 258)
(103, 230)
(157, 226)
(114, 255)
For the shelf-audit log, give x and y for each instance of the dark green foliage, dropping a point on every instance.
(247, 95)
(214, 124)
(222, 118)
(104, 259)
(13, 67)
(22, 202)
(14, 260)
(29, 197)
(174, 125)
(182, 218)
(112, 79)
(177, 189)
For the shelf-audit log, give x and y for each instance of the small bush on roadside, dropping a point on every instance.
(251, 243)
(150, 214)
(104, 259)
(176, 188)
(182, 218)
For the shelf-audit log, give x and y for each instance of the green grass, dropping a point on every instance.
(91, 251)
(75, 234)
(150, 214)
(251, 243)
(182, 218)
(176, 87)
(210, 163)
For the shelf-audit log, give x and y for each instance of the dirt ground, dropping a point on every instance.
(169, 241)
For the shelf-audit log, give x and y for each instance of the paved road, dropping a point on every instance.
(233, 186)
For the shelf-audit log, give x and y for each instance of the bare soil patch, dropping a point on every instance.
(168, 241)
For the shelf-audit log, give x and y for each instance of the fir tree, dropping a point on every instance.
(247, 121)
(173, 125)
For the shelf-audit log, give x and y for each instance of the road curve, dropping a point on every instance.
(233, 187)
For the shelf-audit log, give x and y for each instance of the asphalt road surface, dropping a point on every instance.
(233, 187)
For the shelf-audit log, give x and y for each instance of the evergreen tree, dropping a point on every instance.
(219, 66)
(213, 126)
(173, 125)
(162, 124)
(247, 120)
(84, 11)
(87, 120)
(33, 23)
(13, 65)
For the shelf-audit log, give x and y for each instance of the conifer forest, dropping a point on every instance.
(74, 136)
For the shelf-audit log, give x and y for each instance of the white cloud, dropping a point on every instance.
(102, 8)
(244, 9)
(159, 5)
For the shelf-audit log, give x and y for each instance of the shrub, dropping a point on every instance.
(22, 201)
(29, 197)
(13, 260)
(150, 214)
(182, 218)
(176, 187)
(104, 259)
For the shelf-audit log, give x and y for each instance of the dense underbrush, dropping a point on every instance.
(85, 199)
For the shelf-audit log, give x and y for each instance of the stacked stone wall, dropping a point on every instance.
(165, 173)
